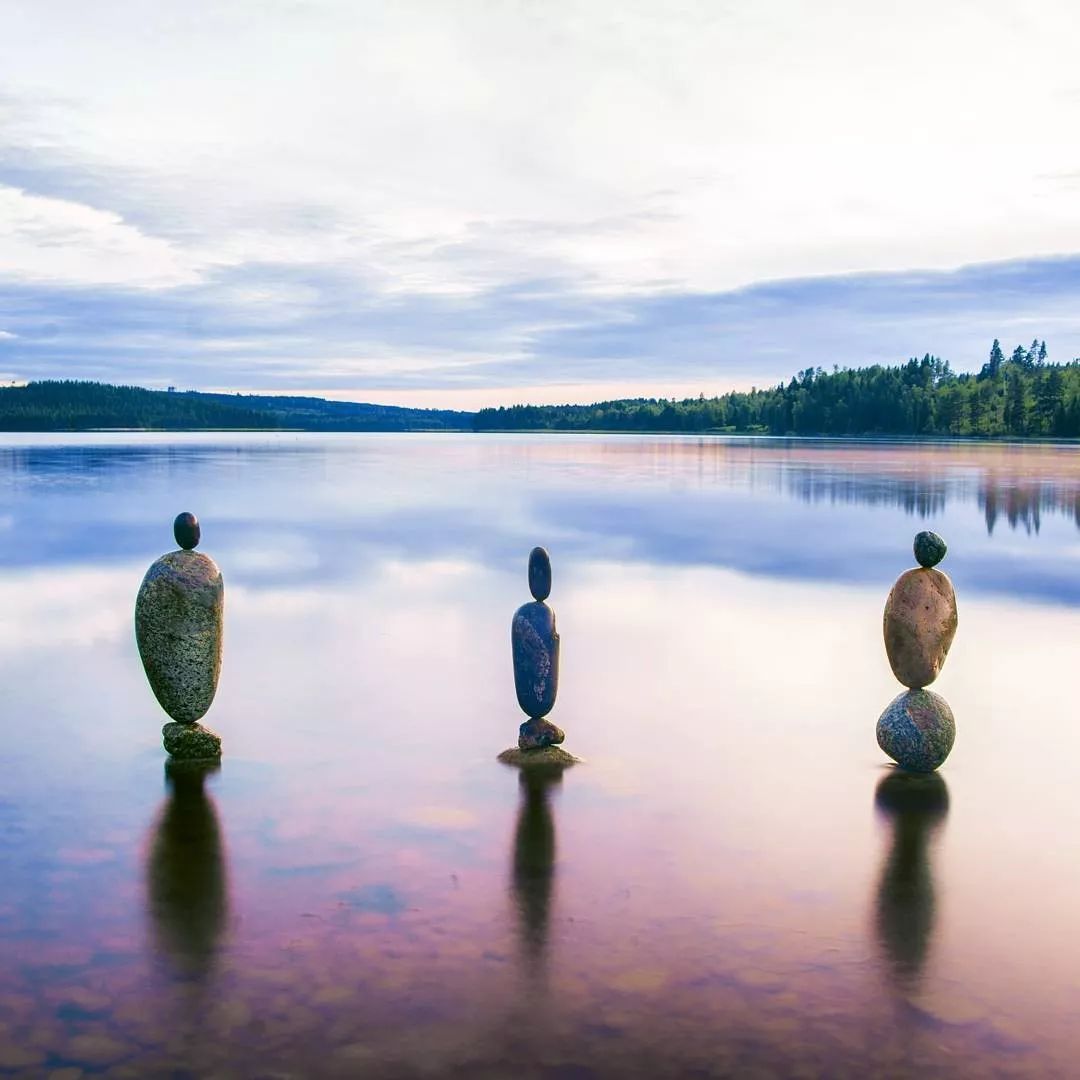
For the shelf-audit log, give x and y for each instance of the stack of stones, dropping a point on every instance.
(535, 644)
(178, 625)
(917, 730)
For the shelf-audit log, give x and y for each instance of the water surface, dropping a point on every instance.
(735, 882)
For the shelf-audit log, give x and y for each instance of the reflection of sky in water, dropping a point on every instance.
(308, 509)
(362, 885)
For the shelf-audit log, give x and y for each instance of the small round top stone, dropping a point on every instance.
(539, 573)
(929, 548)
(186, 530)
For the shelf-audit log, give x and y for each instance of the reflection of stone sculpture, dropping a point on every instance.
(535, 644)
(534, 859)
(178, 624)
(914, 806)
(186, 885)
(917, 730)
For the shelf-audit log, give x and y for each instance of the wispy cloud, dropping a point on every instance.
(423, 196)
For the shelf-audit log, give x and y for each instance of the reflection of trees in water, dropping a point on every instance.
(1018, 499)
(187, 894)
(915, 805)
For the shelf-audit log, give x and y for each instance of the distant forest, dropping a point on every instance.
(66, 405)
(1017, 396)
(1022, 395)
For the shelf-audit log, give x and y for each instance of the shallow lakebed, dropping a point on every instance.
(734, 882)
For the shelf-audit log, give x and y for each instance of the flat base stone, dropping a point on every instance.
(541, 757)
(917, 730)
(191, 742)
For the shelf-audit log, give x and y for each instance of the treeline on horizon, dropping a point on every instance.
(1018, 396)
(74, 405)
(1022, 395)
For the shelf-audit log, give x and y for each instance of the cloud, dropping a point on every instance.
(299, 329)
(7, 335)
(322, 192)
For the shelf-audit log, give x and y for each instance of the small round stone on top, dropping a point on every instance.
(186, 530)
(539, 573)
(929, 548)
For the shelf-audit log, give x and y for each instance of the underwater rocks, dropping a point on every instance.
(546, 757)
(917, 730)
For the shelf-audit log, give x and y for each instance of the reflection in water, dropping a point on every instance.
(1020, 500)
(534, 861)
(187, 893)
(915, 805)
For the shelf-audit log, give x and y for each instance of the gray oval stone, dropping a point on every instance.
(917, 730)
(919, 625)
(535, 644)
(178, 628)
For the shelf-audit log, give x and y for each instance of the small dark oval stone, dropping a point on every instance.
(929, 548)
(186, 530)
(539, 573)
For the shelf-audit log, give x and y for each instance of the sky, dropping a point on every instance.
(474, 203)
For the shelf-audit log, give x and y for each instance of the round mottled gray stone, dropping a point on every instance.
(539, 573)
(917, 730)
(191, 742)
(545, 757)
(537, 732)
(535, 644)
(178, 628)
(919, 625)
(929, 548)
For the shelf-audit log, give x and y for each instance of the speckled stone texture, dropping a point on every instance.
(919, 625)
(537, 733)
(917, 730)
(191, 742)
(929, 548)
(178, 628)
(535, 644)
(539, 573)
(546, 757)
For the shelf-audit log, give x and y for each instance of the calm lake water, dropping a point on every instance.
(734, 883)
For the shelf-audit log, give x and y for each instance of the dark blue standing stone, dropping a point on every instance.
(539, 573)
(186, 530)
(535, 643)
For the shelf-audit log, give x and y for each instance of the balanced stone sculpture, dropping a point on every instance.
(917, 730)
(535, 644)
(178, 625)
